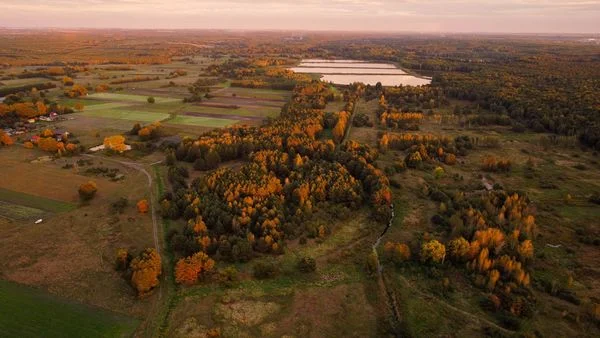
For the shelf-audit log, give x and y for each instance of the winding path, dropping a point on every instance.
(140, 168)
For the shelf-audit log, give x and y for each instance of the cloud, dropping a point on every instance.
(388, 15)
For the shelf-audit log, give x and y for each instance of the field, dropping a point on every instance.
(70, 254)
(27, 312)
(22, 82)
(18, 212)
(128, 98)
(337, 300)
(202, 121)
(124, 114)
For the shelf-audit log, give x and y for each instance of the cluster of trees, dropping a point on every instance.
(26, 105)
(493, 235)
(200, 88)
(398, 120)
(290, 174)
(47, 142)
(490, 235)
(177, 73)
(76, 91)
(491, 163)
(143, 271)
(426, 147)
(153, 131)
(135, 79)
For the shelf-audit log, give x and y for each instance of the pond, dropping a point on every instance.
(349, 71)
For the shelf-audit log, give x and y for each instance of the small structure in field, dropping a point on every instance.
(102, 147)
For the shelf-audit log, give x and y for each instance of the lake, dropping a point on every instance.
(349, 71)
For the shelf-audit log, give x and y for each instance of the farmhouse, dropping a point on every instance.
(61, 134)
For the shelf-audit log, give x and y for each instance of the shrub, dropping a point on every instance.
(151, 99)
(307, 264)
(264, 270)
(119, 205)
(595, 198)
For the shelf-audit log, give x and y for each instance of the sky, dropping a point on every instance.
(511, 16)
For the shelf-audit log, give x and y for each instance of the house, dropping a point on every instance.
(34, 139)
(61, 134)
(31, 121)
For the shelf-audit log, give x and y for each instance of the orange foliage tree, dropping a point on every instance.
(340, 127)
(142, 206)
(48, 144)
(146, 268)
(115, 142)
(88, 190)
(189, 269)
(5, 140)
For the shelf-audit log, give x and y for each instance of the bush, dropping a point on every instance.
(264, 270)
(307, 264)
(151, 99)
(119, 205)
(595, 198)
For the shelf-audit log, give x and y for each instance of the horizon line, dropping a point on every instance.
(293, 30)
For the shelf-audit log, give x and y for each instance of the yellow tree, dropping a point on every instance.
(189, 269)
(146, 269)
(115, 142)
(433, 251)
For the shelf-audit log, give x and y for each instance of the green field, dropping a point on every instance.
(262, 112)
(36, 202)
(86, 103)
(109, 105)
(270, 94)
(27, 312)
(131, 115)
(202, 121)
(18, 212)
(129, 98)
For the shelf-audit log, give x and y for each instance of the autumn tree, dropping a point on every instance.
(67, 81)
(116, 143)
(142, 206)
(189, 269)
(48, 144)
(5, 140)
(339, 130)
(122, 259)
(397, 252)
(76, 91)
(458, 249)
(433, 251)
(146, 268)
(88, 190)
